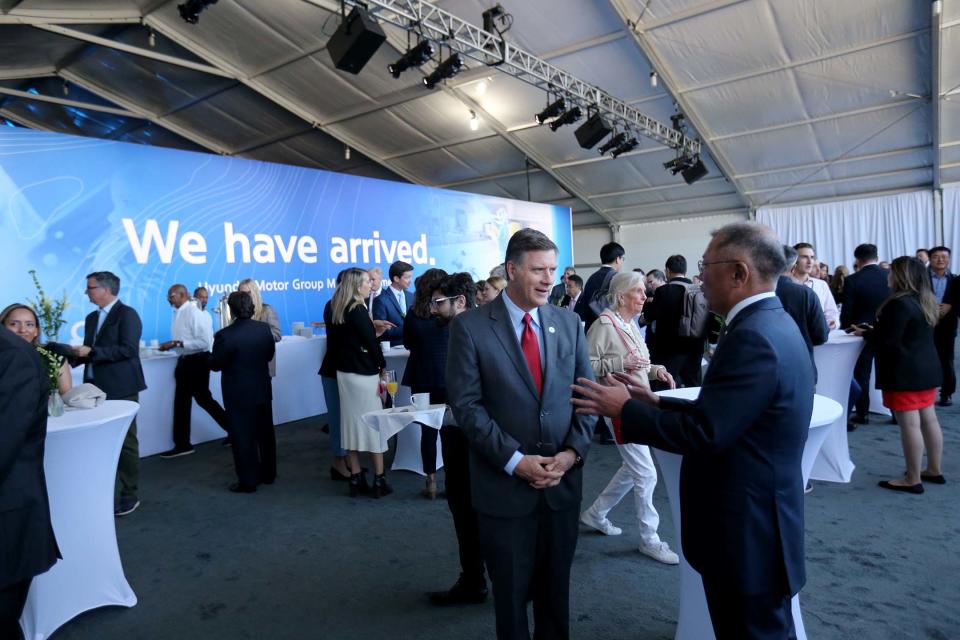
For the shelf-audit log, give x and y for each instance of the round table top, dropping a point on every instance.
(839, 336)
(73, 419)
(825, 410)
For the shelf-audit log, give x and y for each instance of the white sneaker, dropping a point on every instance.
(660, 552)
(604, 526)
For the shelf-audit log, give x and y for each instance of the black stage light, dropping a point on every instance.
(567, 117)
(613, 143)
(191, 9)
(676, 165)
(553, 109)
(446, 69)
(490, 18)
(413, 58)
(677, 120)
(591, 132)
(629, 145)
(694, 170)
(355, 41)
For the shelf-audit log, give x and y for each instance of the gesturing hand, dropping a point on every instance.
(382, 325)
(640, 391)
(600, 399)
(534, 469)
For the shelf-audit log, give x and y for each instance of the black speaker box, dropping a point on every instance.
(592, 131)
(695, 171)
(355, 41)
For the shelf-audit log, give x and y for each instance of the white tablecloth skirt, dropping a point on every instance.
(835, 361)
(82, 449)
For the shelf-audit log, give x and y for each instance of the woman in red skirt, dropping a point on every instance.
(905, 357)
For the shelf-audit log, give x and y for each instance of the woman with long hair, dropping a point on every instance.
(616, 346)
(262, 312)
(359, 363)
(837, 281)
(425, 373)
(23, 321)
(902, 338)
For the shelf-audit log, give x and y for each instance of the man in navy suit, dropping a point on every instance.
(741, 491)
(863, 293)
(803, 305)
(394, 302)
(111, 357)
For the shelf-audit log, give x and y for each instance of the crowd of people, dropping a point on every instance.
(504, 353)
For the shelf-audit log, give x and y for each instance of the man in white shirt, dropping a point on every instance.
(807, 256)
(193, 339)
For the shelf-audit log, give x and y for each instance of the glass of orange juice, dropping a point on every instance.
(390, 378)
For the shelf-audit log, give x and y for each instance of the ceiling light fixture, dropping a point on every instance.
(654, 79)
(567, 117)
(613, 143)
(553, 109)
(624, 147)
(474, 121)
(346, 152)
(412, 58)
(445, 70)
(191, 9)
(152, 38)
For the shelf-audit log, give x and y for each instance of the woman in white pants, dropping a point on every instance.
(615, 345)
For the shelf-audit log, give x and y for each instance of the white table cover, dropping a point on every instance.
(835, 361)
(407, 456)
(693, 619)
(406, 422)
(297, 394)
(82, 449)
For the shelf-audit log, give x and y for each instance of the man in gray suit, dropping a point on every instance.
(509, 371)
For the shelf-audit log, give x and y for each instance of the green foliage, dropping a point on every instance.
(51, 364)
(48, 310)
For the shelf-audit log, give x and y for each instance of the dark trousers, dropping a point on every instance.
(456, 472)
(193, 383)
(428, 436)
(128, 466)
(737, 616)
(944, 342)
(12, 599)
(861, 373)
(254, 443)
(529, 558)
(684, 367)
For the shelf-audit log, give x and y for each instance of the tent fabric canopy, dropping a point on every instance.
(795, 100)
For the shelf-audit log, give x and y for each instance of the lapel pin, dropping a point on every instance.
(551, 330)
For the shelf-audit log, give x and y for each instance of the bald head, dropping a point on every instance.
(177, 295)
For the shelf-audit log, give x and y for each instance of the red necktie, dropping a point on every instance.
(531, 351)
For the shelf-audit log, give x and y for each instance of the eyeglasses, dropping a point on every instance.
(703, 263)
(436, 301)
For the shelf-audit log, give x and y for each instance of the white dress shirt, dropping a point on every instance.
(573, 301)
(192, 327)
(746, 302)
(401, 299)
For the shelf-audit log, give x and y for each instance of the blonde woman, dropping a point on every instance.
(902, 338)
(615, 345)
(495, 285)
(359, 363)
(262, 313)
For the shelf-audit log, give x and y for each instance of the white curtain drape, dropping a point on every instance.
(951, 223)
(898, 224)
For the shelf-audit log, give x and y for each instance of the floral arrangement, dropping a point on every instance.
(51, 364)
(49, 311)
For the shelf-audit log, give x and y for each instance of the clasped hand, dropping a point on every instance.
(542, 472)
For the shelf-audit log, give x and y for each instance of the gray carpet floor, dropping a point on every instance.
(301, 560)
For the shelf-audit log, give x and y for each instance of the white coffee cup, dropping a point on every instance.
(296, 328)
(420, 400)
(385, 346)
(154, 343)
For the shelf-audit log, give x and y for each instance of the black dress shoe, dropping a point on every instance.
(236, 487)
(858, 419)
(939, 479)
(459, 594)
(909, 488)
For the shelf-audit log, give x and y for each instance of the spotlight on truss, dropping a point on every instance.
(414, 57)
(567, 117)
(446, 69)
(553, 109)
(624, 147)
(613, 143)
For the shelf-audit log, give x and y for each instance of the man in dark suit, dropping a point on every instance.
(611, 261)
(574, 289)
(111, 353)
(803, 305)
(393, 302)
(863, 293)
(946, 287)
(243, 351)
(681, 355)
(560, 291)
(27, 543)
(741, 491)
(509, 370)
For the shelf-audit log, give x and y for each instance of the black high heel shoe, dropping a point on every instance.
(380, 486)
(358, 484)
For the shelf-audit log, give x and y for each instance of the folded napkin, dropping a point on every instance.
(84, 396)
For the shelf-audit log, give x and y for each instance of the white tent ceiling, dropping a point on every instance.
(795, 100)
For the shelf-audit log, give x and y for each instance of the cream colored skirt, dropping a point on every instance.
(359, 395)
